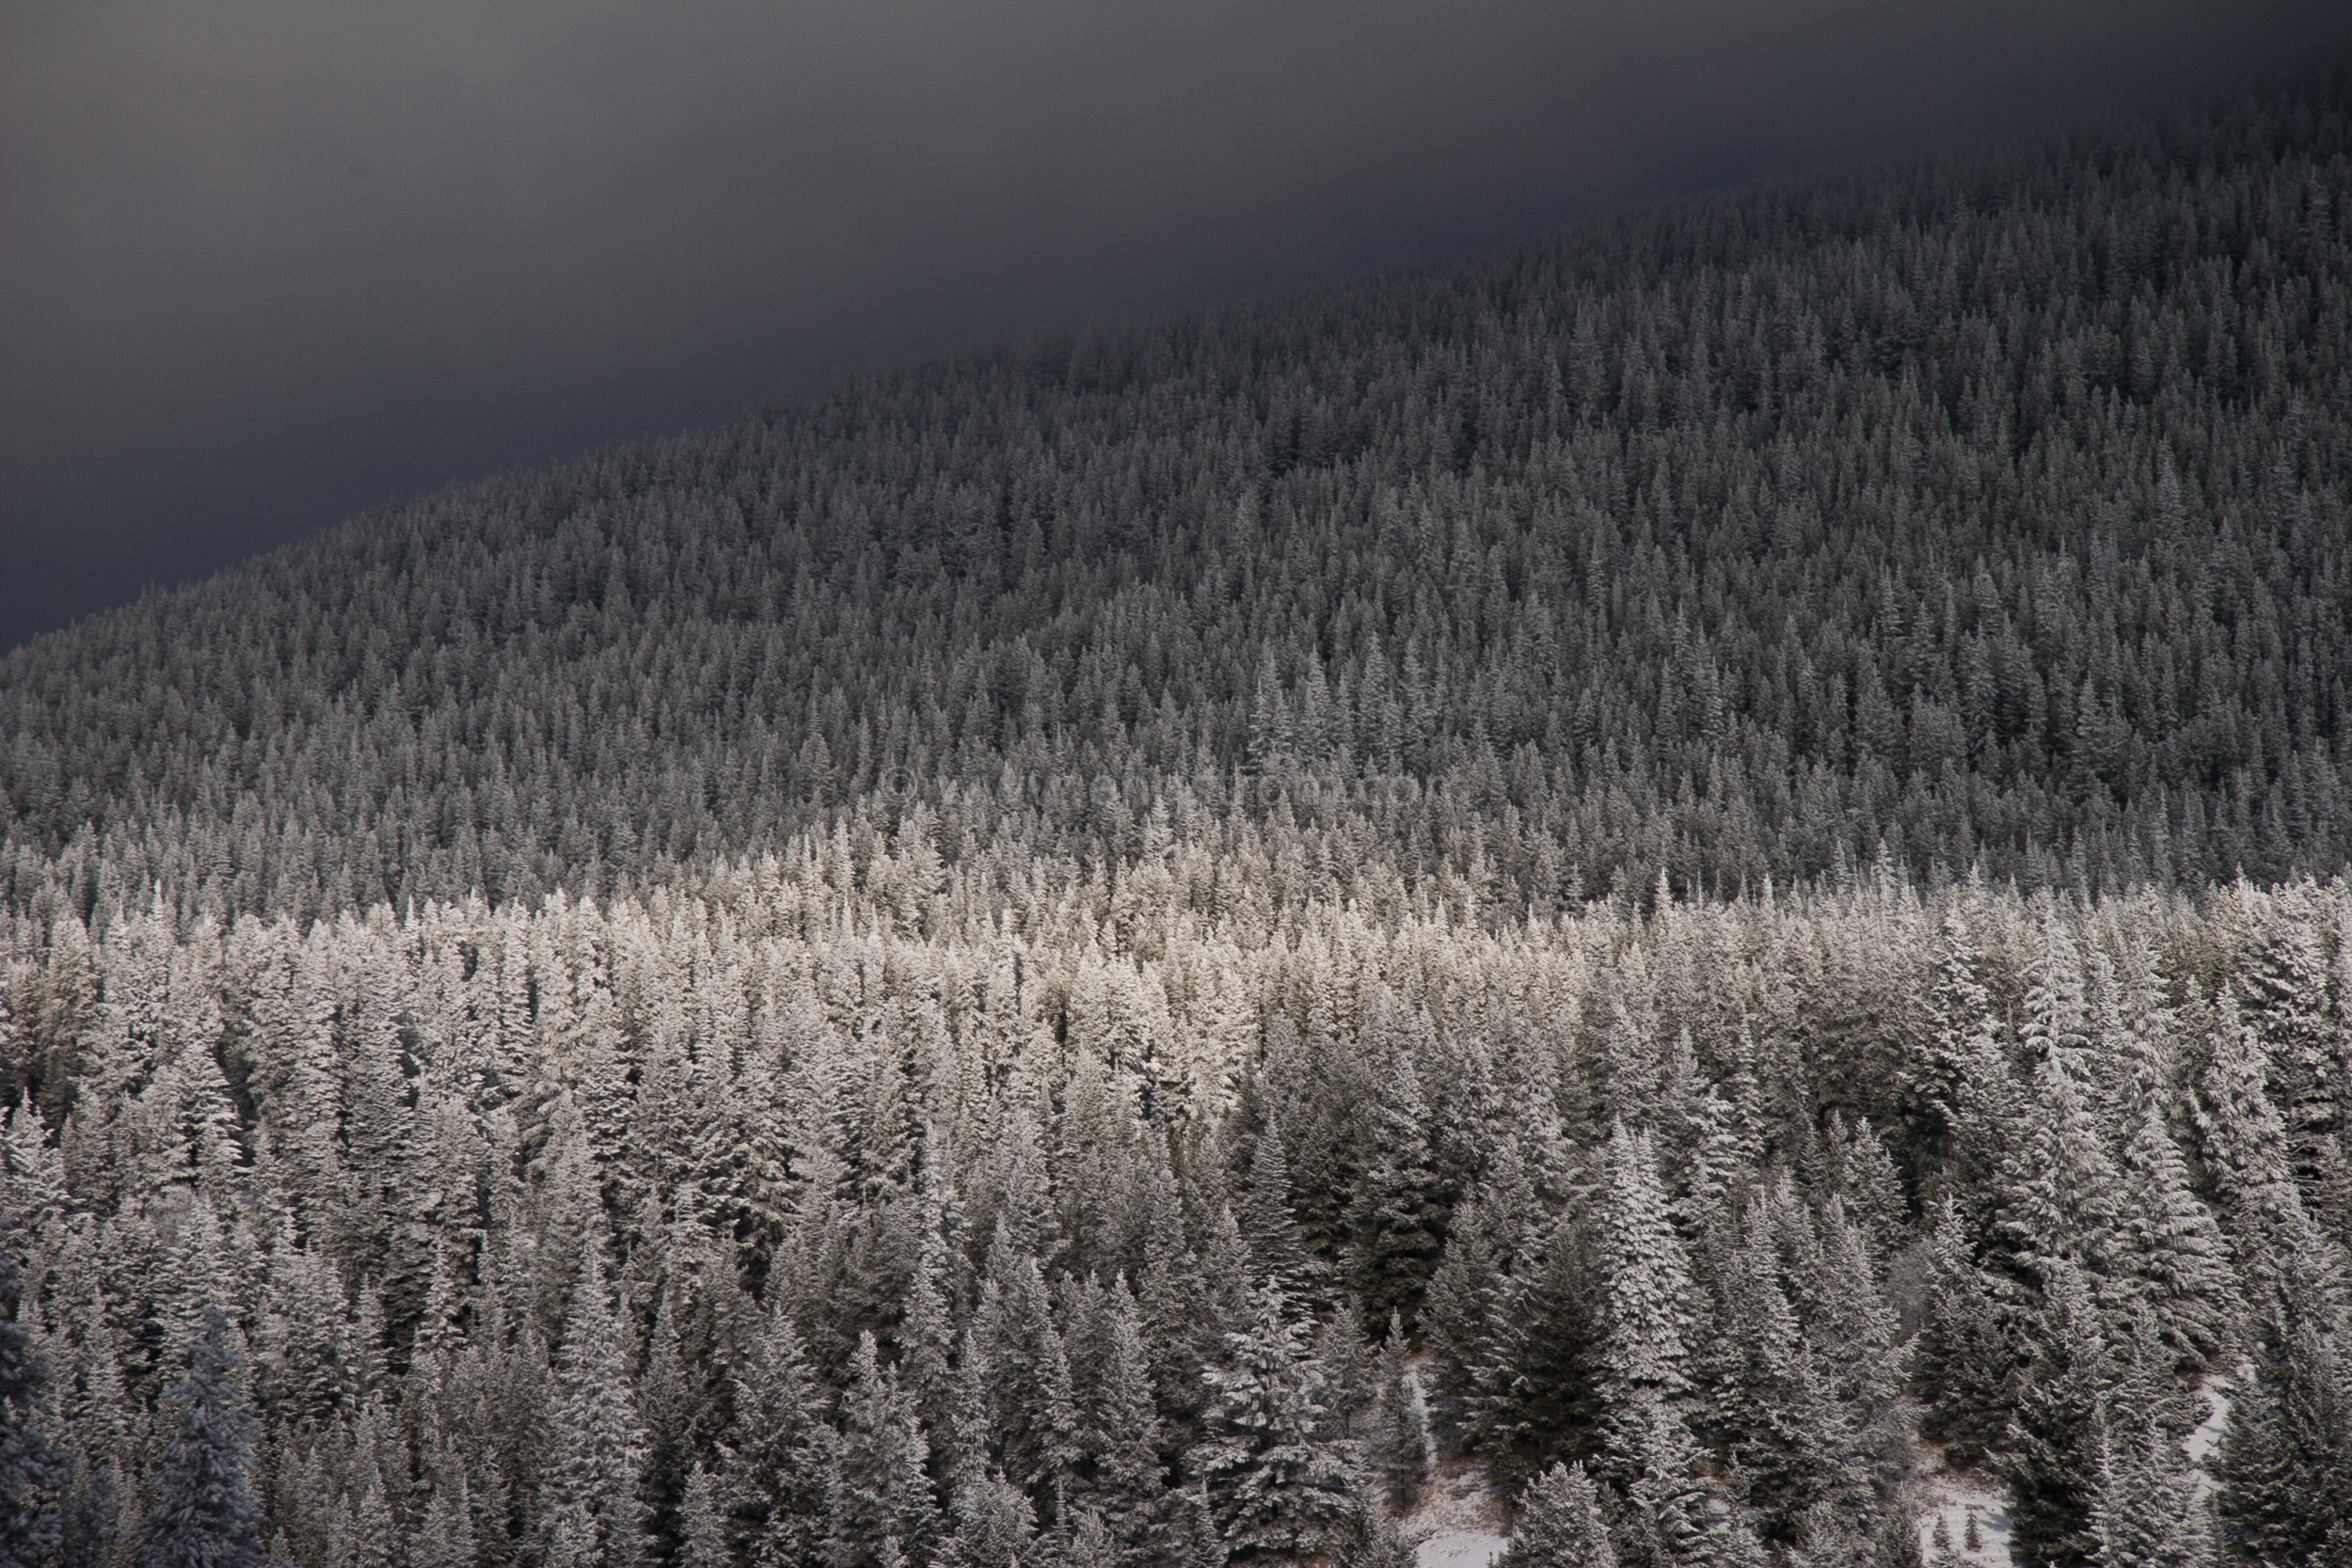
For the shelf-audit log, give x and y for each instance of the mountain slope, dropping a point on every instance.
(1993, 511)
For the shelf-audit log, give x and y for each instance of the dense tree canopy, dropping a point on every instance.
(1992, 510)
(1698, 865)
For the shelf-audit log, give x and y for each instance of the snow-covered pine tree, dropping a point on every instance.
(2056, 1429)
(883, 1494)
(1125, 1488)
(2284, 991)
(1962, 1357)
(993, 1525)
(1263, 1210)
(1396, 1446)
(2058, 1192)
(1399, 1214)
(1777, 1422)
(702, 1523)
(1275, 1491)
(87, 1540)
(2243, 1140)
(2286, 1494)
(1647, 1273)
(1650, 1453)
(2148, 1506)
(780, 1459)
(1021, 1374)
(2170, 1256)
(32, 1473)
(596, 1452)
(205, 1514)
(1561, 1524)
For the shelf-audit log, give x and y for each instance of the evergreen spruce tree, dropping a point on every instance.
(2170, 1256)
(667, 1404)
(2244, 1144)
(1535, 1392)
(1777, 1420)
(1647, 1276)
(205, 1515)
(702, 1523)
(882, 1496)
(2060, 1195)
(596, 1444)
(2285, 991)
(1649, 1449)
(1854, 1332)
(1961, 1034)
(1397, 1444)
(781, 1460)
(87, 1540)
(1897, 1544)
(32, 1474)
(926, 1330)
(1276, 1490)
(1963, 1356)
(1560, 1524)
(1126, 1491)
(2056, 1427)
(2287, 1491)
(1021, 1372)
(1348, 1366)
(1382, 1546)
(2149, 1507)
(993, 1525)
(1399, 1214)
(445, 1537)
(1269, 1226)
(1669, 1514)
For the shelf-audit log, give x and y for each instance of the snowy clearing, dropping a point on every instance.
(1458, 1522)
(1952, 1498)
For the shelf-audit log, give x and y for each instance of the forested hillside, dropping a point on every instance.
(1994, 509)
(1698, 869)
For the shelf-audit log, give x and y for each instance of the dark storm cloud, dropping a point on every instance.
(266, 261)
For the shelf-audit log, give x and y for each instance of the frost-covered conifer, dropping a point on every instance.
(32, 1473)
(204, 1514)
(702, 1524)
(883, 1494)
(1275, 1490)
(1561, 1524)
(781, 1460)
(1263, 1210)
(596, 1454)
(1399, 1215)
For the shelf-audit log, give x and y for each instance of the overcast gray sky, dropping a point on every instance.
(266, 262)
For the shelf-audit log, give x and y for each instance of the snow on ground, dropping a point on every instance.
(1952, 1496)
(1467, 1548)
(1458, 1522)
(2205, 1441)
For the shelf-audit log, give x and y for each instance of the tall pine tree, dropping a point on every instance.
(31, 1472)
(205, 1515)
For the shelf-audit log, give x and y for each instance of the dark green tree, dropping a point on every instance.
(2056, 1427)
(32, 1473)
(1399, 1215)
(205, 1514)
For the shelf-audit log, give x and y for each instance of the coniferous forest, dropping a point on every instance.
(1695, 873)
